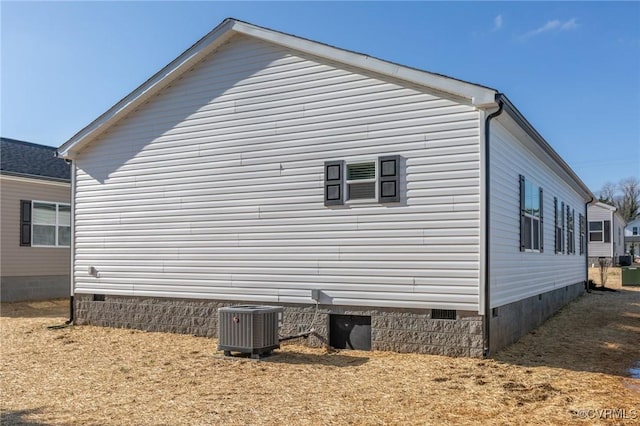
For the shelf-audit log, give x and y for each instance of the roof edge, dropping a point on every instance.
(517, 116)
(606, 206)
(151, 86)
(480, 96)
(31, 176)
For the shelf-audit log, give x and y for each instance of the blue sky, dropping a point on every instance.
(572, 68)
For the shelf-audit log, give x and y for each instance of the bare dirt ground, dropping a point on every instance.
(571, 370)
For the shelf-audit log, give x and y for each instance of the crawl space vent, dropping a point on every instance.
(447, 314)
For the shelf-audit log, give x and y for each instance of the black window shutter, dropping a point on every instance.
(25, 223)
(522, 213)
(334, 183)
(541, 222)
(555, 223)
(607, 231)
(389, 178)
(563, 228)
(569, 248)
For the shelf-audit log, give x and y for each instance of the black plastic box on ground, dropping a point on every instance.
(624, 260)
(249, 329)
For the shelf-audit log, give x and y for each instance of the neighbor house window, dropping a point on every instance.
(559, 225)
(531, 219)
(635, 230)
(362, 181)
(571, 241)
(600, 231)
(50, 224)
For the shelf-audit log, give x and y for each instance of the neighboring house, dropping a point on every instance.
(606, 233)
(35, 222)
(258, 167)
(632, 238)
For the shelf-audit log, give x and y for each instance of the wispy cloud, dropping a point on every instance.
(497, 23)
(571, 24)
(555, 25)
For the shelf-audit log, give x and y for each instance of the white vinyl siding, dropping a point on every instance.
(514, 274)
(214, 189)
(599, 248)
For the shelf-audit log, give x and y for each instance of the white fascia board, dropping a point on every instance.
(605, 206)
(153, 85)
(481, 97)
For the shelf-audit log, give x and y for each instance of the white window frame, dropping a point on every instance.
(533, 217)
(601, 231)
(634, 230)
(348, 181)
(57, 225)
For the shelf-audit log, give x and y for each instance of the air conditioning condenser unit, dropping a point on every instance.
(249, 329)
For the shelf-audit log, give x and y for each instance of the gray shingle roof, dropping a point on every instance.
(32, 160)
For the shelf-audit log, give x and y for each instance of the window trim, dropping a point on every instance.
(524, 214)
(601, 231)
(57, 225)
(375, 180)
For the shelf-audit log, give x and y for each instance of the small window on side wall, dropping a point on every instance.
(559, 225)
(362, 181)
(571, 241)
(531, 216)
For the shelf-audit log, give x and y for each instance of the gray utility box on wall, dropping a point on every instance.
(249, 329)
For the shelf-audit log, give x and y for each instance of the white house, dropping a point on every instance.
(606, 233)
(632, 237)
(423, 212)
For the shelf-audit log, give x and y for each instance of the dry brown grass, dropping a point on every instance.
(102, 376)
(614, 277)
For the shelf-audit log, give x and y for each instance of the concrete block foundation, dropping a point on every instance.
(510, 322)
(399, 330)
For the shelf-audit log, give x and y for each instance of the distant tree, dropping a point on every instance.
(629, 202)
(608, 193)
(625, 196)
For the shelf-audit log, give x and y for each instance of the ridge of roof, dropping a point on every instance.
(21, 142)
